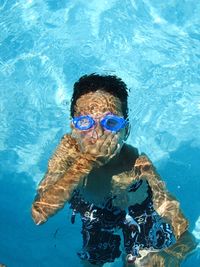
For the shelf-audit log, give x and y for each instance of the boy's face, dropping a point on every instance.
(97, 105)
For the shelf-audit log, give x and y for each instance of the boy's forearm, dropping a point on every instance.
(53, 199)
(184, 246)
(63, 158)
(166, 205)
(170, 210)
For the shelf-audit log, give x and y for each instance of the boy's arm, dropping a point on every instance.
(172, 256)
(166, 205)
(64, 156)
(54, 198)
(66, 170)
(184, 246)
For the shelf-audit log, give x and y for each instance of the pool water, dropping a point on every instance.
(45, 46)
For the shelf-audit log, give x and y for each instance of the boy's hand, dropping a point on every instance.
(104, 149)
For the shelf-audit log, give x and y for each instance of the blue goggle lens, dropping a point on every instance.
(113, 123)
(83, 122)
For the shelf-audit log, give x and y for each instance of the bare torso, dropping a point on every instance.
(107, 180)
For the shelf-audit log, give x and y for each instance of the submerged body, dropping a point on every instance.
(115, 179)
(115, 187)
(133, 213)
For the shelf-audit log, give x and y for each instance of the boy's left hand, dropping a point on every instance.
(104, 149)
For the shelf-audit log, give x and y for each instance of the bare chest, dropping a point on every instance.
(97, 186)
(101, 184)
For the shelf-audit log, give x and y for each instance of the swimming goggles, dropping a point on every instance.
(110, 122)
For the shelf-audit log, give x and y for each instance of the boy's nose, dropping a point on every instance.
(96, 133)
(99, 129)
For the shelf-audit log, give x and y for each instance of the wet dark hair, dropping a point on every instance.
(108, 83)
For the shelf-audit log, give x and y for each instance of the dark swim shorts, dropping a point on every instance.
(142, 227)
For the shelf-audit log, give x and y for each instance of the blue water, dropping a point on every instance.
(45, 46)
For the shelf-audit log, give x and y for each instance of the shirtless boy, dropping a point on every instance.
(110, 185)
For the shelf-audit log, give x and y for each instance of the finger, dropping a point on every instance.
(106, 144)
(114, 147)
(110, 144)
(116, 144)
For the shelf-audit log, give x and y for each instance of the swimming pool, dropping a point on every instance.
(45, 46)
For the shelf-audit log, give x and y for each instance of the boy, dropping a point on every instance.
(109, 184)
